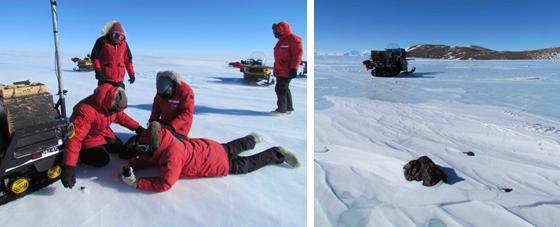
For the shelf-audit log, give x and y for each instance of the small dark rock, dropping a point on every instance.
(82, 188)
(469, 153)
(506, 189)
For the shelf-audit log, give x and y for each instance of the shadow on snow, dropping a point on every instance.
(237, 81)
(200, 109)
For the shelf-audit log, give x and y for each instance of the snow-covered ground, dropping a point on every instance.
(367, 129)
(225, 109)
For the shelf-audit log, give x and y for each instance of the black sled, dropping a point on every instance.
(388, 63)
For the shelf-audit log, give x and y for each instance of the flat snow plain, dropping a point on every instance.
(225, 109)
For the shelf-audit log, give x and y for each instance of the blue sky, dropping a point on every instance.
(240, 25)
(342, 25)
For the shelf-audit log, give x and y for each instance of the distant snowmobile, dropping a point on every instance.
(255, 69)
(83, 65)
(388, 63)
(304, 72)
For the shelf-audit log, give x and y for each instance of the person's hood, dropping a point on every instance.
(113, 26)
(174, 76)
(283, 28)
(158, 138)
(106, 95)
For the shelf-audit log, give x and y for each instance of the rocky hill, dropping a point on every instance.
(478, 53)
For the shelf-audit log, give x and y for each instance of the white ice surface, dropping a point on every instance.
(225, 109)
(367, 129)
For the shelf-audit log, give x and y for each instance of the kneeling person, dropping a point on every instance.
(92, 137)
(173, 104)
(198, 157)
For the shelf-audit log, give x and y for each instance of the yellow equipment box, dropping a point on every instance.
(9, 91)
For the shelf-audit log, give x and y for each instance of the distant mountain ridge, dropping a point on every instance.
(471, 52)
(474, 52)
(347, 53)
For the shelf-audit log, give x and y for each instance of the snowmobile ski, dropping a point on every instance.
(411, 71)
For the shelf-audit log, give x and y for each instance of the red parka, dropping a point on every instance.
(110, 58)
(287, 52)
(180, 159)
(91, 120)
(176, 111)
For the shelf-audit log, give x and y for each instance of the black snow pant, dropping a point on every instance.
(115, 84)
(99, 156)
(283, 94)
(245, 164)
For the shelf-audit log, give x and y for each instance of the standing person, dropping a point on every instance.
(92, 139)
(173, 104)
(111, 56)
(198, 157)
(287, 58)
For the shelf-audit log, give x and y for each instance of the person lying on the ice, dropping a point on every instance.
(190, 158)
(92, 139)
(173, 104)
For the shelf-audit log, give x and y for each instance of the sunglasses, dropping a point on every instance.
(143, 148)
(117, 36)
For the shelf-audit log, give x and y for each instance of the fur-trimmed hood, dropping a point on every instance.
(158, 138)
(113, 26)
(151, 136)
(174, 76)
(106, 95)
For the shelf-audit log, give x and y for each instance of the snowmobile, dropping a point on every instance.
(388, 63)
(255, 69)
(83, 65)
(32, 131)
(304, 72)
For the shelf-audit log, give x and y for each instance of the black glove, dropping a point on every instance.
(293, 73)
(140, 130)
(99, 75)
(68, 176)
(132, 79)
